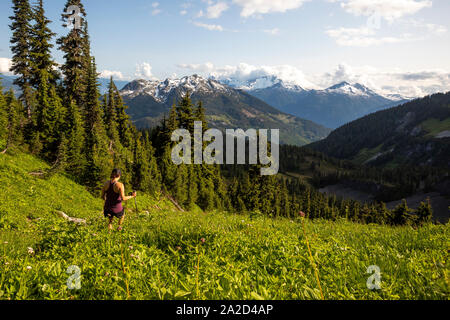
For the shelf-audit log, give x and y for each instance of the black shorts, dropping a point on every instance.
(110, 214)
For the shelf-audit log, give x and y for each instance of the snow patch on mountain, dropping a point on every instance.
(161, 90)
(351, 89)
(259, 83)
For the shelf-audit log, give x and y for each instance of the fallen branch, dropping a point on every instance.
(174, 202)
(70, 219)
(37, 174)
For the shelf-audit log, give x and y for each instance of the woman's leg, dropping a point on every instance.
(110, 225)
(121, 222)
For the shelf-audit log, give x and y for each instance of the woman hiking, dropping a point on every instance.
(113, 193)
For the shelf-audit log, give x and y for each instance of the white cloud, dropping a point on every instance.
(363, 37)
(205, 68)
(216, 10)
(244, 72)
(255, 7)
(156, 10)
(115, 74)
(183, 12)
(144, 71)
(408, 83)
(273, 32)
(388, 9)
(345, 72)
(211, 27)
(5, 65)
(407, 30)
(396, 81)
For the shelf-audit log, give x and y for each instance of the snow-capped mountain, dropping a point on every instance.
(226, 107)
(331, 107)
(350, 89)
(258, 83)
(162, 90)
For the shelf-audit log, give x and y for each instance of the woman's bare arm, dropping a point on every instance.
(122, 193)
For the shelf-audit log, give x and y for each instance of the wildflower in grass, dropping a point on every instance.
(178, 248)
(29, 268)
(130, 247)
(6, 242)
(30, 250)
(301, 214)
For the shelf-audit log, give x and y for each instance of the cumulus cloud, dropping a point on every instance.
(210, 27)
(245, 72)
(258, 7)
(407, 83)
(205, 68)
(388, 9)
(215, 11)
(115, 74)
(5, 65)
(345, 72)
(144, 71)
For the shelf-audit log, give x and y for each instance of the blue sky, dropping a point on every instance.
(389, 45)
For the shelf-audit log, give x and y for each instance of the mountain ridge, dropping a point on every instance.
(416, 132)
(332, 107)
(226, 107)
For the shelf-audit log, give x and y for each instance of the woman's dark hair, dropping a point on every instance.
(116, 173)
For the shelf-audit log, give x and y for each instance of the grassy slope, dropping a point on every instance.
(242, 257)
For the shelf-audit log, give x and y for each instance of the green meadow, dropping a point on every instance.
(164, 253)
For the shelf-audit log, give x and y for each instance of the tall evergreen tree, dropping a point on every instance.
(15, 118)
(110, 117)
(21, 48)
(74, 131)
(96, 145)
(77, 61)
(122, 119)
(40, 43)
(50, 116)
(186, 116)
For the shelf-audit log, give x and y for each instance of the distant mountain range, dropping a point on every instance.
(331, 107)
(7, 82)
(226, 107)
(416, 133)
